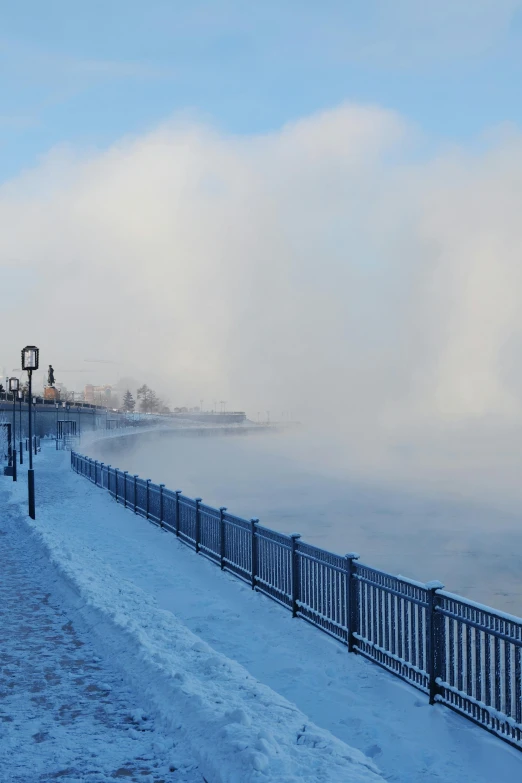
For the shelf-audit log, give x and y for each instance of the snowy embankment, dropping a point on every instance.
(238, 729)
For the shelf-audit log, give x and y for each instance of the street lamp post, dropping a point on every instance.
(34, 445)
(65, 424)
(20, 395)
(30, 360)
(13, 388)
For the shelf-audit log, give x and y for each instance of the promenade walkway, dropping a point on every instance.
(65, 714)
(195, 637)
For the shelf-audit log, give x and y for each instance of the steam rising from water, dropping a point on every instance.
(335, 269)
(474, 549)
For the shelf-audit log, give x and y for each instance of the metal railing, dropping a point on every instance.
(461, 654)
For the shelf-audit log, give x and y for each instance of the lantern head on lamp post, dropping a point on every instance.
(14, 385)
(30, 362)
(30, 358)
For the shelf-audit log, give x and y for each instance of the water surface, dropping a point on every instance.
(474, 547)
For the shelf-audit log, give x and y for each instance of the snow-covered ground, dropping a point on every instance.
(236, 728)
(65, 712)
(251, 693)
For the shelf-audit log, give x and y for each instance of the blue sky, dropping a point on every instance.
(87, 74)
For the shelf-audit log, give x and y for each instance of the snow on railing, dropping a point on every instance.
(462, 654)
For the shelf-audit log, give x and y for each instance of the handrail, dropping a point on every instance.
(462, 654)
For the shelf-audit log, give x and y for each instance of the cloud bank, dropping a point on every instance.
(333, 269)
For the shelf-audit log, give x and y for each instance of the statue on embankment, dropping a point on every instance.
(50, 391)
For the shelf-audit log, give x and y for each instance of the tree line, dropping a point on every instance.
(147, 401)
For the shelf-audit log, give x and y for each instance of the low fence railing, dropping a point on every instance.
(461, 654)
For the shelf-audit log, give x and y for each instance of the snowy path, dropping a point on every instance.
(64, 714)
(98, 541)
(236, 729)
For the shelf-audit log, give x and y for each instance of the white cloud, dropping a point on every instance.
(316, 269)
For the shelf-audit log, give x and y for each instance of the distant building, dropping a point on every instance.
(99, 395)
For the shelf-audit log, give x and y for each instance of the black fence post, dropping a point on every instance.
(295, 572)
(198, 524)
(253, 555)
(148, 500)
(161, 488)
(30, 489)
(434, 638)
(351, 599)
(96, 472)
(178, 493)
(109, 478)
(116, 471)
(135, 493)
(125, 474)
(222, 536)
(101, 474)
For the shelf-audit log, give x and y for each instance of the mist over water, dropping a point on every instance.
(400, 516)
(344, 268)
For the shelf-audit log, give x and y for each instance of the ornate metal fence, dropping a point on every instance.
(461, 654)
